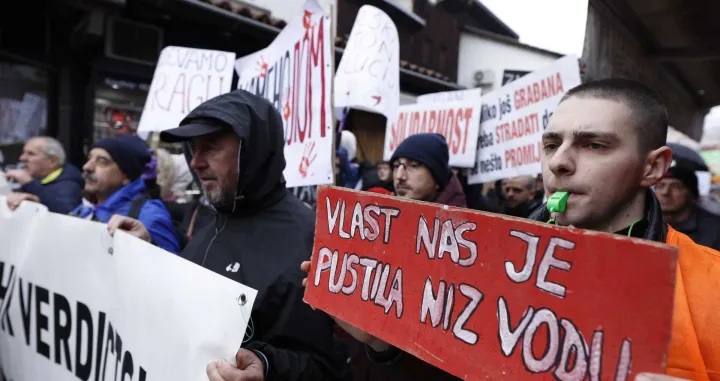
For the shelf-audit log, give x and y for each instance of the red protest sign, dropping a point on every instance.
(483, 296)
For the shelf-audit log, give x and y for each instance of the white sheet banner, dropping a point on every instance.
(450, 96)
(184, 78)
(458, 121)
(514, 118)
(82, 305)
(295, 73)
(368, 77)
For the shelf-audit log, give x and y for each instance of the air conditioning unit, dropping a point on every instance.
(484, 77)
(132, 41)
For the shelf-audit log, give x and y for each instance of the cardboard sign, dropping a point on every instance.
(451, 96)
(458, 121)
(368, 77)
(295, 73)
(184, 78)
(78, 304)
(490, 297)
(514, 118)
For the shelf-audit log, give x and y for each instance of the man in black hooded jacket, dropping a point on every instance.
(234, 145)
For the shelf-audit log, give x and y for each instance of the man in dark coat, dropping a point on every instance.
(678, 193)
(421, 172)
(46, 178)
(234, 145)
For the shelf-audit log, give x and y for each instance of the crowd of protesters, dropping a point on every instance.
(606, 145)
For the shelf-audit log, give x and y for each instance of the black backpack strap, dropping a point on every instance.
(136, 206)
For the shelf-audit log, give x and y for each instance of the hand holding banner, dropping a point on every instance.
(488, 297)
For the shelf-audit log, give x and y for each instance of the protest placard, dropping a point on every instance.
(78, 304)
(368, 77)
(450, 96)
(295, 74)
(458, 121)
(184, 78)
(514, 118)
(489, 297)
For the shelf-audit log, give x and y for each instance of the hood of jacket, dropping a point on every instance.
(453, 194)
(261, 163)
(656, 227)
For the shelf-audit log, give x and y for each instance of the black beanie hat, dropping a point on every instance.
(686, 176)
(129, 152)
(431, 150)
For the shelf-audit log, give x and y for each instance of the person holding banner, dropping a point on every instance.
(605, 147)
(421, 171)
(114, 185)
(46, 177)
(234, 145)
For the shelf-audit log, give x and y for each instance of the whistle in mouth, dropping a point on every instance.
(557, 202)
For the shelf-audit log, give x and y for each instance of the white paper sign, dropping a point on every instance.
(82, 305)
(368, 77)
(514, 118)
(458, 121)
(450, 96)
(295, 73)
(184, 78)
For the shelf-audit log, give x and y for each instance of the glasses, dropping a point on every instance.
(409, 166)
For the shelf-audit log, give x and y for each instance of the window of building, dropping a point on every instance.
(118, 106)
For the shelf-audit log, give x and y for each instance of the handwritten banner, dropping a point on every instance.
(110, 308)
(514, 118)
(490, 297)
(184, 78)
(368, 77)
(458, 121)
(450, 96)
(295, 73)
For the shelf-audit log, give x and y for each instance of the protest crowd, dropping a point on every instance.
(230, 185)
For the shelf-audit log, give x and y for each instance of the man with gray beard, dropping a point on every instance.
(235, 148)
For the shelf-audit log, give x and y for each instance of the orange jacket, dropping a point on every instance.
(695, 342)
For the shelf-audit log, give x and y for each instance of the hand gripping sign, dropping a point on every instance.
(487, 297)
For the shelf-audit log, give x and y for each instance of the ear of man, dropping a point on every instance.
(656, 165)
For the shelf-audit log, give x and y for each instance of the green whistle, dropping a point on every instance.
(557, 202)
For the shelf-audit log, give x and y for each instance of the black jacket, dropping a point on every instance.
(262, 243)
(703, 227)
(62, 194)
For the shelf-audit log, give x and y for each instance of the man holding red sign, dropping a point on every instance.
(605, 147)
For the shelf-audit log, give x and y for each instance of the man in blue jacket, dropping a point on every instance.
(45, 177)
(113, 185)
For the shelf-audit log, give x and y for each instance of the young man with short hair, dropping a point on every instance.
(605, 145)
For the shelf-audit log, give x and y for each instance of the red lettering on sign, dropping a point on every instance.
(524, 155)
(536, 92)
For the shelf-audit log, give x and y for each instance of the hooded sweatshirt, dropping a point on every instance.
(695, 334)
(262, 243)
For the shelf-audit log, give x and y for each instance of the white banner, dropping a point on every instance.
(82, 305)
(458, 121)
(514, 118)
(450, 96)
(295, 73)
(184, 78)
(368, 77)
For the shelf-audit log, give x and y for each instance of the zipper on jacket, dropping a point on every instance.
(217, 233)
